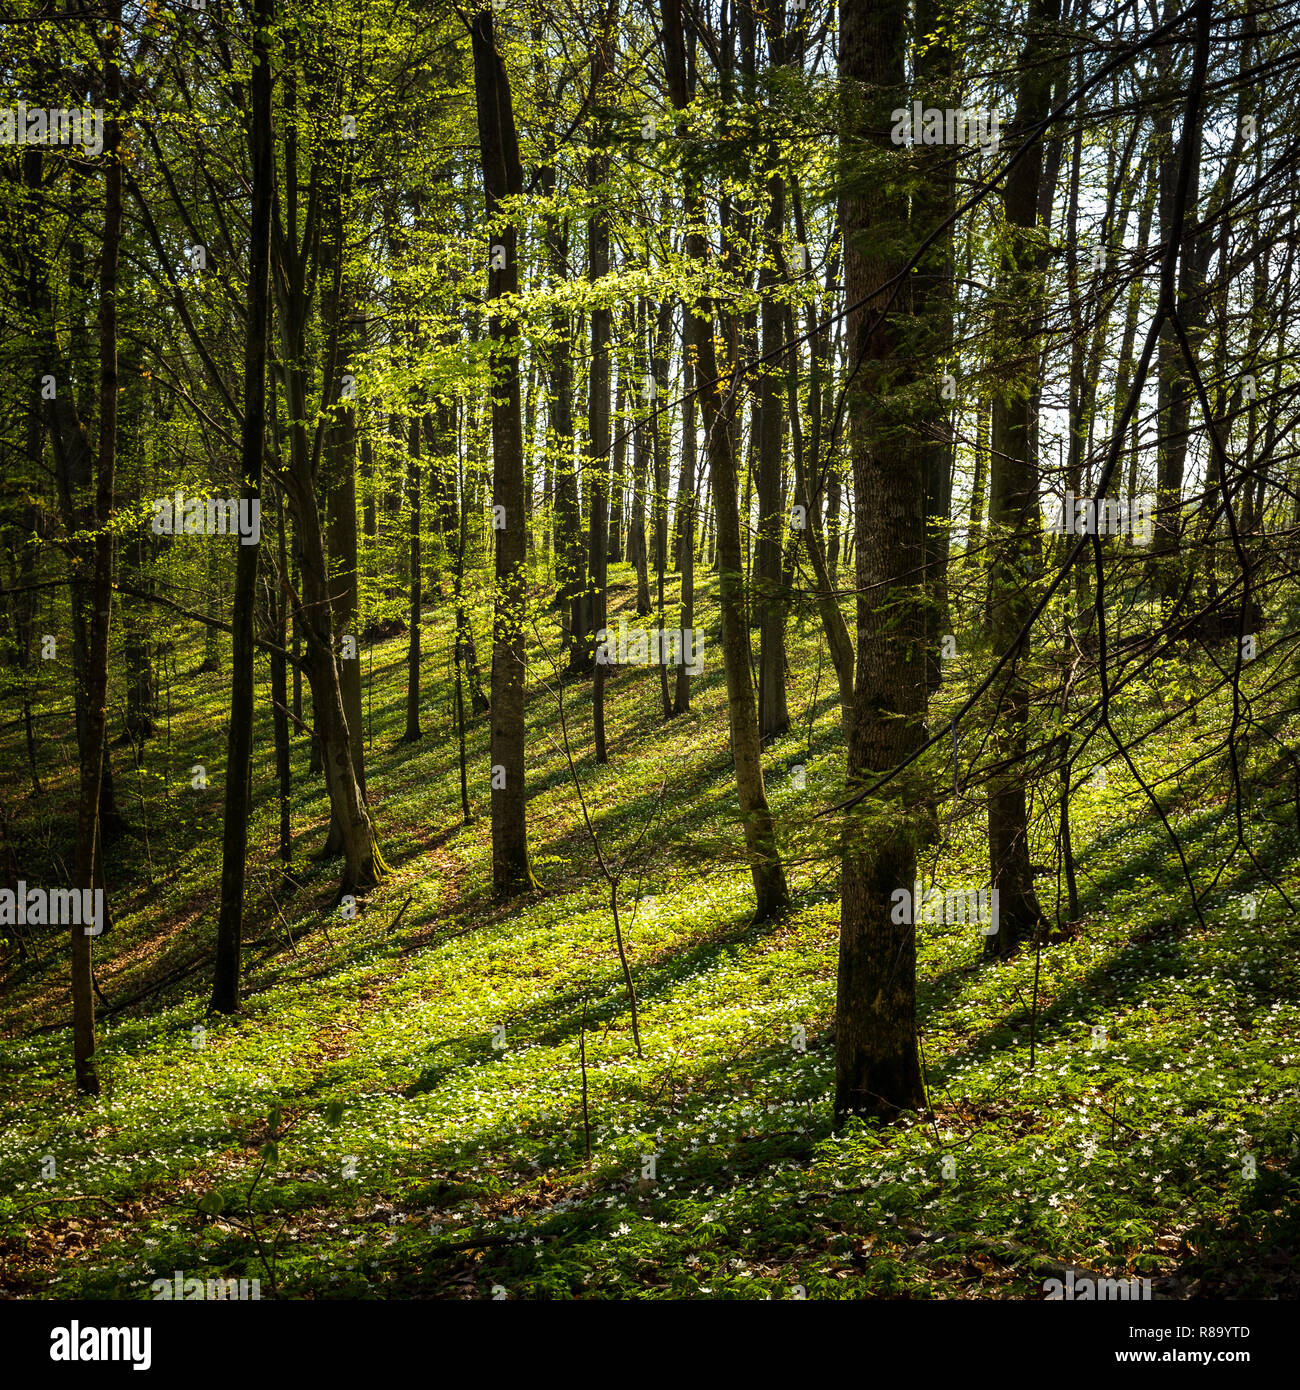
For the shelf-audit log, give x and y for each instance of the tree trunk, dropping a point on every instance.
(658, 450)
(413, 650)
(503, 178)
(350, 824)
(598, 381)
(618, 465)
(877, 1068)
(338, 295)
(136, 624)
(773, 711)
(636, 546)
(93, 755)
(933, 302)
(239, 740)
(1013, 500)
(279, 693)
(772, 898)
(211, 662)
(686, 523)
(569, 555)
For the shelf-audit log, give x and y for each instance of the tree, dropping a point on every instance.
(239, 741)
(877, 1068)
(502, 181)
(772, 896)
(1013, 490)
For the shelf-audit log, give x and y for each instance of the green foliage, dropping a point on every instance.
(376, 1049)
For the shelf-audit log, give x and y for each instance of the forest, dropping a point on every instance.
(649, 650)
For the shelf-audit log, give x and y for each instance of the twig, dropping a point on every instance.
(582, 1043)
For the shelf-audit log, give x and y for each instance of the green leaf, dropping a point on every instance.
(334, 1112)
(212, 1203)
(271, 1152)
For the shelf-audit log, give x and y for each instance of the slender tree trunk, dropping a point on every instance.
(686, 515)
(1173, 383)
(618, 467)
(88, 829)
(278, 608)
(773, 712)
(440, 436)
(980, 482)
(1013, 502)
(413, 650)
(836, 629)
(770, 890)
(569, 555)
(598, 382)
(636, 546)
(139, 670)
(462, 541)
(933, 302)
(658, 449)
(351, 826)
(239, 741)
(211, 662)
(299, 726)
(340, 464)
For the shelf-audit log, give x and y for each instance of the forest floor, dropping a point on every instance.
(398, 1112)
